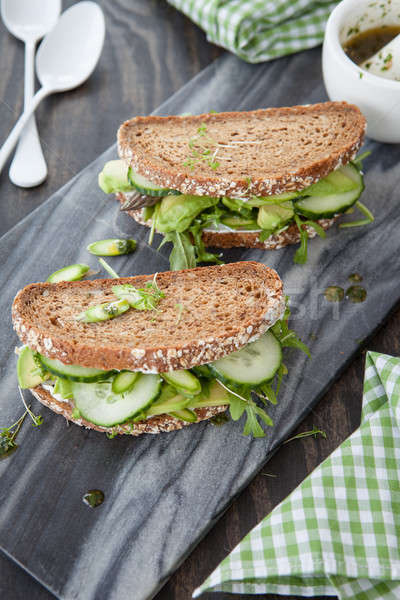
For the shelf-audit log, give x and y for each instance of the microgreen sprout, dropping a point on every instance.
(8, 434)
(314, 432)
(145, 298)
(36, 419)
(203, 149)
(180, 308)
(109, 269)
(111, 434)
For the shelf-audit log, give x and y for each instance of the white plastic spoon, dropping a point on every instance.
(29, 21)
(65, 59)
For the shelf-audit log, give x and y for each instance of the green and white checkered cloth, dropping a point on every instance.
(260, 30)
(338, 533)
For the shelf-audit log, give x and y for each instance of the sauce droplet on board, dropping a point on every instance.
(355, 277)
(93, 498)
(356, 293)
(334, 293)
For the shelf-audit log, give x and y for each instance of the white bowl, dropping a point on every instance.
(377, 98)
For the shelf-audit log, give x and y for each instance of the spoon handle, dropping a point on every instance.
(15, 133)
(28, 167)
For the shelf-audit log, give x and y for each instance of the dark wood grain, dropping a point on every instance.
(150, 52)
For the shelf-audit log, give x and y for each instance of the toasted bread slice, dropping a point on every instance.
(155, 424)
(245, 239)
(206, 313)
(260, 152)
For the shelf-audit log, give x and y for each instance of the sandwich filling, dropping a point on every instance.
(245, 381)
(182, 218)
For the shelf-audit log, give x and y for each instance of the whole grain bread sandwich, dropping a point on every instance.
(149, 353)
(258, 179)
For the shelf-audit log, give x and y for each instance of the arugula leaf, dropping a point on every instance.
(301, 254)
(237, 406)
(265, 234)
(201, 253)
(358, 160)
(317, 227)
(183, 253)
(368, 214)
(288, 337)
(252, 426)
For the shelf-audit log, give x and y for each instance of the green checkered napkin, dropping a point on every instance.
(338, 533)
(260, 30)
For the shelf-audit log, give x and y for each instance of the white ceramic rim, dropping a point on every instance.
(332, 36)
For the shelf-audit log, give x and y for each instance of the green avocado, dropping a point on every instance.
(114, 177)
(235, 221)
(177, 212)
(275, 215)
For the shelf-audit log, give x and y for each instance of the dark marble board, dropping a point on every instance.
(163, 493)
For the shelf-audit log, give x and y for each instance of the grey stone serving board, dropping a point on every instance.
(163, 493)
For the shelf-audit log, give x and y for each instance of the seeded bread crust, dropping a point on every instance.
(153, 425)
(246, 239)
(260, 152)
(223, 308)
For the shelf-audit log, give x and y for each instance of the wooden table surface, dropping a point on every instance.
(151, 50)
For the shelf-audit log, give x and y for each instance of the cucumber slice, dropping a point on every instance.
(239, 222)
(28, 371)
(114, 177)
(339, 181)
(184, 381)
(74, 372)
(112, 247)
(70, 273)
(255, 363)
(326, 206)
(98, 404)
(124, 381)
(185, 415)
(144, 186)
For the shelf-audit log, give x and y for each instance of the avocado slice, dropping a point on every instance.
(177, 212)
(239, 222)
(273, 216)
(114, 177)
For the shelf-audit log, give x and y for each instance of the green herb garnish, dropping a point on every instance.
(109, 269)
(314, 431)
(180, 308)
(111, 434)
(8, 434)
(203, 150)
(145, 298)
